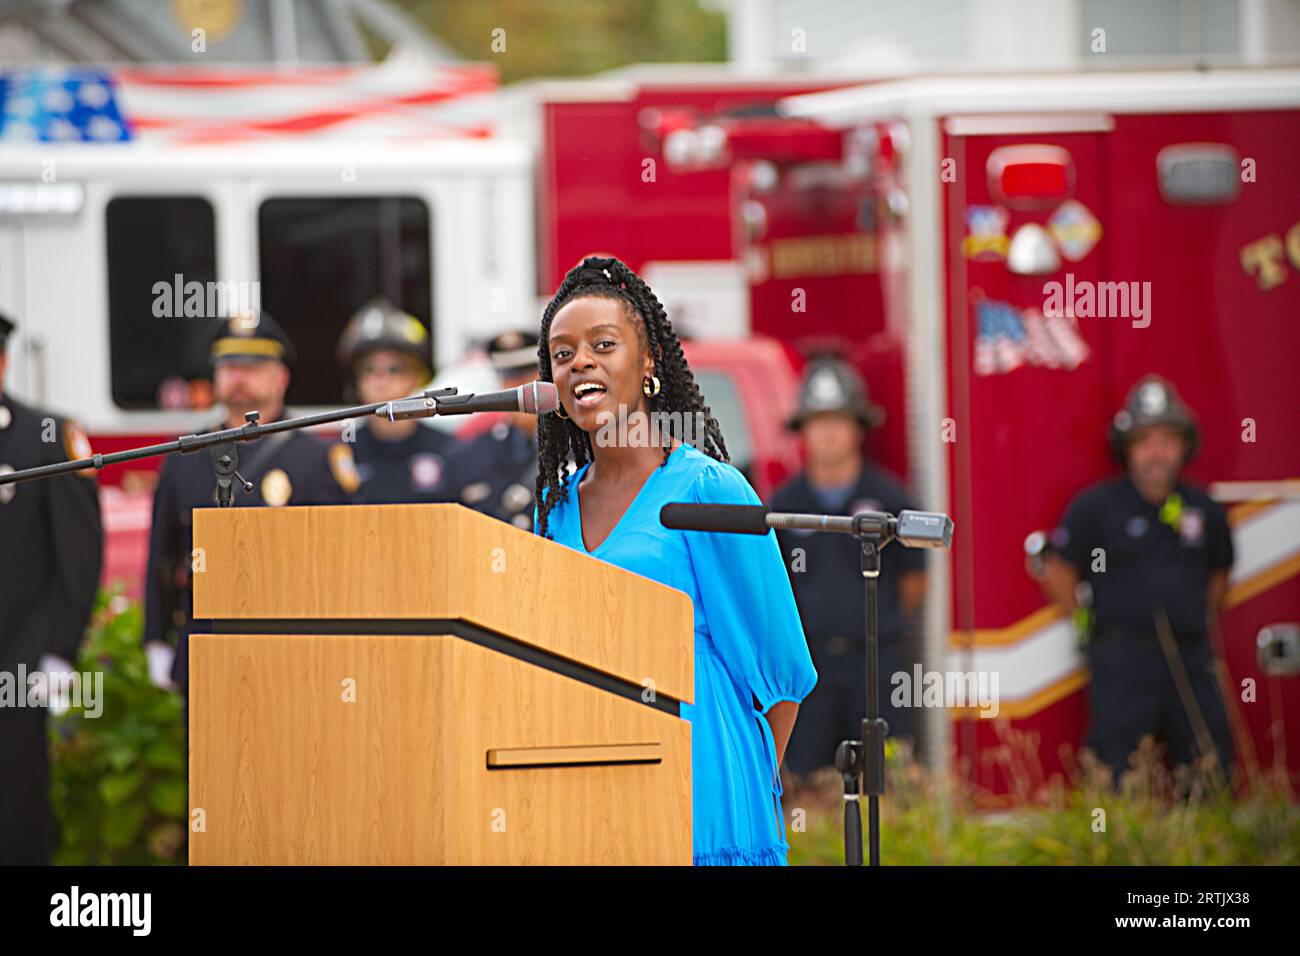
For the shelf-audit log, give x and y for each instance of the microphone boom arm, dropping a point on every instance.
(251, 430)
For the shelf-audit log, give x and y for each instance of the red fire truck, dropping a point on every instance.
(1004, 258)
(1045, 242)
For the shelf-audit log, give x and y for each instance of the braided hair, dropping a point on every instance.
(558, 439)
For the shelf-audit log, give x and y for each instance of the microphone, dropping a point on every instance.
(734, 519)
(531, 398)
(912, 529)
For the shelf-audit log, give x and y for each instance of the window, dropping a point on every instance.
(322, 259)
(153, 240)
(723, 398)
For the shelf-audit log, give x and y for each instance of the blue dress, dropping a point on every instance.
(749, 644)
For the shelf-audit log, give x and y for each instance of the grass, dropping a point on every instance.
(1154, 815)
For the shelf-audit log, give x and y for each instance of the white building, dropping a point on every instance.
(892, 37)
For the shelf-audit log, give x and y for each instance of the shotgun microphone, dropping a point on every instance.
(912, 529)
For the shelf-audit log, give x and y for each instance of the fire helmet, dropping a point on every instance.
(1152, 401)
(831, 384)
(381, 325)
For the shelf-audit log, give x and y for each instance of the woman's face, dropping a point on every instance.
(597, 360)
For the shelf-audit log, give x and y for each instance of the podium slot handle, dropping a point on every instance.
(509, 758)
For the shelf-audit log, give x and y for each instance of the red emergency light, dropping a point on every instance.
(692, 142)
(783, 140)
(888, 149)
(1030, 176)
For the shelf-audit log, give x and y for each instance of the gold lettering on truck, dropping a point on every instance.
(1263, 259)
(823, 256)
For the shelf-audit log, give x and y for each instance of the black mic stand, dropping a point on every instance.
(223, 443)
(862, 762)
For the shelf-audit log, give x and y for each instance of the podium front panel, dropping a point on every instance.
(341, 750)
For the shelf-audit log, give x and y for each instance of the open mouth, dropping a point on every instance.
(588, 393)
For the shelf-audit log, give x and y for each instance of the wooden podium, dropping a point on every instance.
(412, 684)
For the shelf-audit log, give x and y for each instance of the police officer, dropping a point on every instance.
(51, 546)
(387, 351)
(495, 472)
(251, 356)
(833, 418)
(1154, 553)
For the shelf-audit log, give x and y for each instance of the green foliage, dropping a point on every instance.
(574, 37)
(1153, 817)
(118, 780)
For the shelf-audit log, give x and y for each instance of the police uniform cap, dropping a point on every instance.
(381, 325)
(831, 384)
(513, 352)
(251, 336)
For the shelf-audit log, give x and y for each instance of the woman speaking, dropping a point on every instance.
(617, 364)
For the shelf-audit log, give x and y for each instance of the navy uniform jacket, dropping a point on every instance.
(830, 589)
(401, 472)
(495, 473)
(51, 547)
(296, 469)
(1151, 561)
(51, 539)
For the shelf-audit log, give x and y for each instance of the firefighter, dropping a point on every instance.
(387, 351)
(51, 546)
(251, 357)
(1153, 553)
(833, 418)
(495, 472)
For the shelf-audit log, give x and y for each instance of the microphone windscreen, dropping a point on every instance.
(735, 519)
(539, 398)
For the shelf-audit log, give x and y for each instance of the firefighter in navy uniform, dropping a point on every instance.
(51, 547)
(495, 472)
(387, 351)
(251, 357)
(833, 417)
(1154, 553)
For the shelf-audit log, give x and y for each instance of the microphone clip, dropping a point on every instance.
(425, 407)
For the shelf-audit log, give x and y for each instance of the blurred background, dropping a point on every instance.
(890, 182)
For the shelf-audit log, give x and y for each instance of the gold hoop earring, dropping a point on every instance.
(559, 412)
(646, 383)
